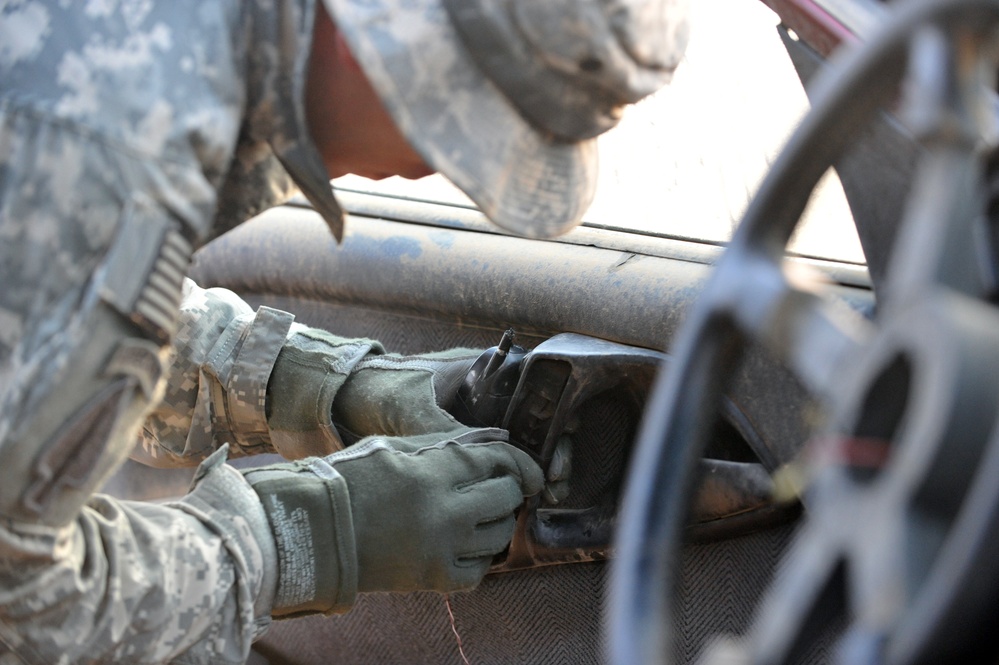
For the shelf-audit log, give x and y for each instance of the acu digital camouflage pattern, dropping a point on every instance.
(504, 97)
(131, 132)
(124, 126)
(454, 116)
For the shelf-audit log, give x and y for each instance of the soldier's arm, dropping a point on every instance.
(91, 282)
(131, 582)
(226, 384)
(261, 383)
(222, 357)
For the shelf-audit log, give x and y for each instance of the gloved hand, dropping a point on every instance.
(402, 395)
(320, 379)
(389, 515)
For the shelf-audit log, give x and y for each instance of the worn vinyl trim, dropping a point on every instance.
(631, 295)
(607, 236)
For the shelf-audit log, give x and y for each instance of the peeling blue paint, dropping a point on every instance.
(395, 248)
(443, 239)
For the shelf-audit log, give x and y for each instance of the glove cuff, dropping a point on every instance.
(309, 371)
(218, 495)
(308, 507)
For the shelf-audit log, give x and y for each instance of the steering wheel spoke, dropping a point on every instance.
(782, 306)
(820, 341)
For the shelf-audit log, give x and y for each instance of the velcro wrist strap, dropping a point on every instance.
(308, 507)
(241, 362)
(247, 385)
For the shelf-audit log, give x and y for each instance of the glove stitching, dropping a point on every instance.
(467, 486)
(347, 363)
(473, 559)
(414, 362)
(500, 435)
(433, 446)
(361, 450)
(489, 521)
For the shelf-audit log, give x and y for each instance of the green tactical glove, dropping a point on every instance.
(376, 518)
(402, 395)
(319, 379)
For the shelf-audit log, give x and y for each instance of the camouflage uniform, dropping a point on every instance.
(131, 132)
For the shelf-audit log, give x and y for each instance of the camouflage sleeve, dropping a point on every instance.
(254, 380)
(92, 278)
(129, 582)
(223, 354)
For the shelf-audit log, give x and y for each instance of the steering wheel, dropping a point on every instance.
(901, 528)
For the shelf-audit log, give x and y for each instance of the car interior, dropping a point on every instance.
(775, 364)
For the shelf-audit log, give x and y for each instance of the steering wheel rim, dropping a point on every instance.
(747, 298)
